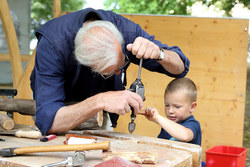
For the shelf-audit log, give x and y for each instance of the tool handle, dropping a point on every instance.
(8, 92)
(59, 148)
(28, 134)
(132, 115)
(142, 112)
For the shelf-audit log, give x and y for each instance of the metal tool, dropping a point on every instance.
(76, 160)
(8, 152)
(138, 88)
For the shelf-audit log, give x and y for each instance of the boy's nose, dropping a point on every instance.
(171, 110)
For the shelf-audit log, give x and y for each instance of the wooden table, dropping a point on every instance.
(169, 153)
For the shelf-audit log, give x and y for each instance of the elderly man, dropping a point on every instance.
(83, 57)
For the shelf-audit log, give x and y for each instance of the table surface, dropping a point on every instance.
(166, 156)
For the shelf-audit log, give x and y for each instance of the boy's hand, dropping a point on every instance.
(151, 114)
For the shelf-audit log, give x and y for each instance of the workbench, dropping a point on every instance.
(170, 153)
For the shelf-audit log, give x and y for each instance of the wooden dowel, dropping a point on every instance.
(6, 122)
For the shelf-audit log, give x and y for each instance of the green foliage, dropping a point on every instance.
(174, 7)
(170, 7)
(42, 10)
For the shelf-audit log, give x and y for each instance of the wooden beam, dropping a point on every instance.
(24, 90)
(12, 42)
(6, 57)
(56, 8)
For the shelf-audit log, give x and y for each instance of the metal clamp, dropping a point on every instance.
(76, 160)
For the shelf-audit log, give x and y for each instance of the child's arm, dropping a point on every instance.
(176, 130)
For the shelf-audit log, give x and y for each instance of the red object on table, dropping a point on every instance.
(226, 156)
(117, 162)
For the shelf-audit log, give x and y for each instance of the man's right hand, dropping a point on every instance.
(119, 102)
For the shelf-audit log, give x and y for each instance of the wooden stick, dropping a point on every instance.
(136, 157)
(142, 112)
(6, 122)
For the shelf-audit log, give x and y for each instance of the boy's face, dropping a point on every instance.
(177, 106)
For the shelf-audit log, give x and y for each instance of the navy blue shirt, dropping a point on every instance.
(190, 123)
(57, 77)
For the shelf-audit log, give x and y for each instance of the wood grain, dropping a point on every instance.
(6, 122)
(136, 157)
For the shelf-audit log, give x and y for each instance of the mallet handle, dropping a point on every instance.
(59, 148)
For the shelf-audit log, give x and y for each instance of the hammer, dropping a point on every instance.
(9, 152)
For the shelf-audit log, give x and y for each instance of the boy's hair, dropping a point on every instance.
(183, 83)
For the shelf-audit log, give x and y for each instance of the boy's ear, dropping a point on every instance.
(193, 106)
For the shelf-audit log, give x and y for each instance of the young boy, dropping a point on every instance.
(180, 101)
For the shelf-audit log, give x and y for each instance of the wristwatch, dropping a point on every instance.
(162, 54)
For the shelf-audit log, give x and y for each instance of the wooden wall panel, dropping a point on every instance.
(217, 49)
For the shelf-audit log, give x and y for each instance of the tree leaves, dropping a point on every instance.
(170, 7)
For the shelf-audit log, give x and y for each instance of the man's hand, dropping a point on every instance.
(119, 102)
(143, 48)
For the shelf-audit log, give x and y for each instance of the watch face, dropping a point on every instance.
(162, 54)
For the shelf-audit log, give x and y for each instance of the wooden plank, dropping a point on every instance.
(12, 42)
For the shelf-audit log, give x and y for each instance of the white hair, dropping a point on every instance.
(95, 45)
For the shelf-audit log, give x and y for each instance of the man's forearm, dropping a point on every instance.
(69, 117)
(172, 62)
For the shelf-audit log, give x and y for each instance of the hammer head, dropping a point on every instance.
(7, 152)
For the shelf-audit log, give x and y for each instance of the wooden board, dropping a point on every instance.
(167, 156)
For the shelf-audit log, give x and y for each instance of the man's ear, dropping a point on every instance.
(193, 106)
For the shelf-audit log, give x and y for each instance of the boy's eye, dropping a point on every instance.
(167, 105)
(177, 106)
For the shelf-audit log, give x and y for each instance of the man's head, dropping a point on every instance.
(180, 99)
(98, 44)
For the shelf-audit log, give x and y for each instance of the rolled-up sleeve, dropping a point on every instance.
(48, 84)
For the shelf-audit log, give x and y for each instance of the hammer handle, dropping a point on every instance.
(28, 134)
(59, 148)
